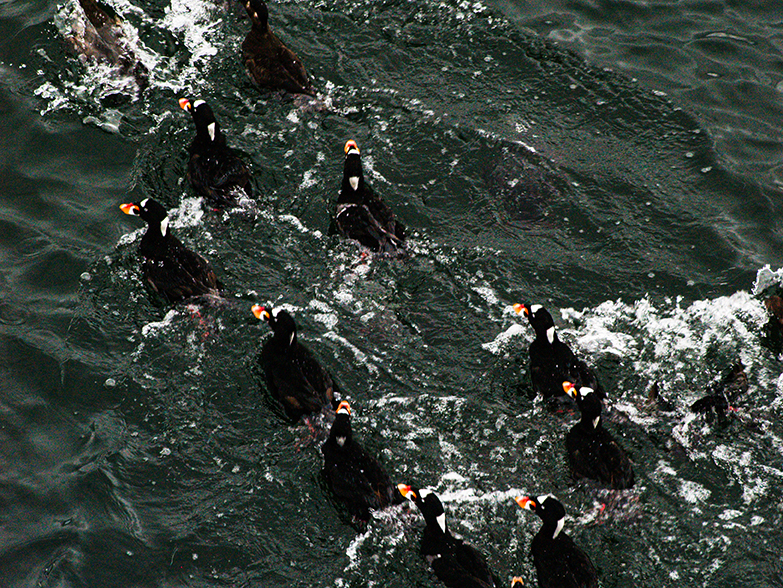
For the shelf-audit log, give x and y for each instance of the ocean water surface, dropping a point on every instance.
(619, 162)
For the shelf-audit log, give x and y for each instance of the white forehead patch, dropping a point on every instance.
(550, 334)
(441, 518)
(211, 131)
(198, 103)
(535, 308)
(352, 150)
(541, 499)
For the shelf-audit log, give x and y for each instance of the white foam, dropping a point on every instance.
(290, 218)
(361, 357)
(664, 338)
(693, 492)
(188, 213)
(487, 293)
(767, 278)
(194, 22)
(154, 327)
(501, 341)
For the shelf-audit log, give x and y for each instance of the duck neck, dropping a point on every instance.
(347, 193)
(285, 340)
(551, 529)
(205, 136)
(154, 235)
(590, 422)
(341, 434)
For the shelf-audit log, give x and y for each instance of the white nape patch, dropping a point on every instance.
(535, 308)
(550, 335)
(340, 441)
(423, 493)
(143, 203)
(354, 181)
(291, 340)
(198, 103)
(596, 420)
(211, 131)
(559, 527)
(164, 226)
(585, 390)
(441, 518)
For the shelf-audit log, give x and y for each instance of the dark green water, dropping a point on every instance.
(616, 161)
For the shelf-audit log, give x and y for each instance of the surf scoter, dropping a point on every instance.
(551, 361)
(293, 374)
(269, 62)
(213, 169)
(559, 562)
(592, 451)
(170, 269)
(356, 478)
(455, 563)
(103, 37)
(361, 214)
(733, 384)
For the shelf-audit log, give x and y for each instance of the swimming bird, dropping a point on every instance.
(355, 477)
(722, 395)
(455, 563)
(102, 36)
(293, 374)
(552, 361)
(213, 169)
(559, 562)
(269, 62)
(592, 451)
(361, 214)
(170, 269)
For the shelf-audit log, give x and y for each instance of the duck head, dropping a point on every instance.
(152, 212)
(429, 505)
(282, 324)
